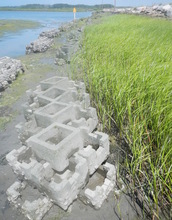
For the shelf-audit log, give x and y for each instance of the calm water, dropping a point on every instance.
(13, 44)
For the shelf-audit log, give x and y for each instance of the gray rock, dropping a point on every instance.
(66, 27)
(9, 69)
(60, 62)
(155, 11)
(50, 33)
(74, 35)
(167, 10)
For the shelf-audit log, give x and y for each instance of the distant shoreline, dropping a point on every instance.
(56, 7)
(44, 10)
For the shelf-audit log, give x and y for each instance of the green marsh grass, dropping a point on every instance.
(127, 61)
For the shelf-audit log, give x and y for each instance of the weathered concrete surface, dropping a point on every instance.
(9, 69)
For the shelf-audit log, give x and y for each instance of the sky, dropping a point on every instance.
(86, 2)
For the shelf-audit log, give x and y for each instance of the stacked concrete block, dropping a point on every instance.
(65, 187)
(55, 111)
(96, 150)
(56, 144)
(61, 152)
(57, 99)
(61, 187)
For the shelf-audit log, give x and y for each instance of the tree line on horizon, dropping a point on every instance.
(59, 6)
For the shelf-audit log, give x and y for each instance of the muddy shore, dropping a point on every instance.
(38, 67)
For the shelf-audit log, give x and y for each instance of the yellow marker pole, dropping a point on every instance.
(74, 13)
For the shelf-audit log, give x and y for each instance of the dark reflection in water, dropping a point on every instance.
(13, 44)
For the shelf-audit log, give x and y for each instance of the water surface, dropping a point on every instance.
(13, 44)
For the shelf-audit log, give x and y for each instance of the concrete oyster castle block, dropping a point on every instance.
(62, 154)
(56, 144)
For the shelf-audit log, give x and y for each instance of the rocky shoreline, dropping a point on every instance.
(43, 43)
(154, 11)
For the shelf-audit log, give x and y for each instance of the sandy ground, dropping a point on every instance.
(39, 67)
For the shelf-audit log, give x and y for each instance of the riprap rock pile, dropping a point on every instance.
(46, 39)
(50, 33)
(40, 45)
(9, 69)
(154, 11)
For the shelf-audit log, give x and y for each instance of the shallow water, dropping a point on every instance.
(13, 44)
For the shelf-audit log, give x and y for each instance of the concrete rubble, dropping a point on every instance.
(9, 70)
(155, 11)
(62, 154)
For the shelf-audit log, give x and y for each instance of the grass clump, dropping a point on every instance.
(3, 122)
(127, 62)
